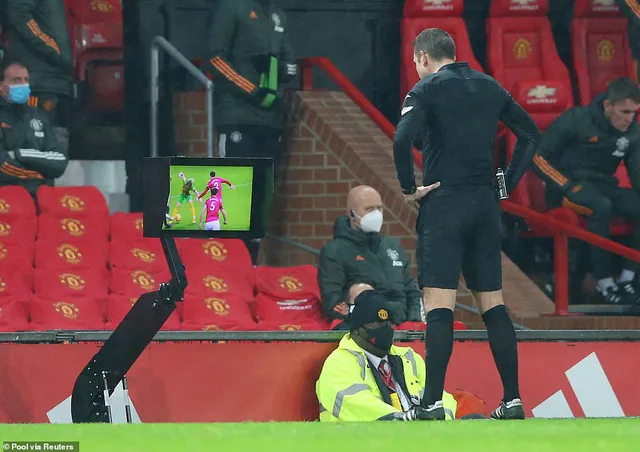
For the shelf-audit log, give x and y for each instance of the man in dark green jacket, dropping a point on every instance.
(631, 10)
(37, 35)
(251, 57)
(359, 254)
(578, 157)
(29, 151)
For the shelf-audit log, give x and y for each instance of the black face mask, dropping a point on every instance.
(381, 338)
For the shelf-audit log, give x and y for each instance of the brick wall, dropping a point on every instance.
(330, 146)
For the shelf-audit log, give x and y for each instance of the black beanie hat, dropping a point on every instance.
(369, 307)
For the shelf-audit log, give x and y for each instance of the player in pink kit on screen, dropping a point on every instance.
(211, 212)
(216, 182)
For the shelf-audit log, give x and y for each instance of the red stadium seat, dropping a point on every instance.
(218, 281)
(16, 283)
(419, 15)
(82, 282)
(522, 56)
(215, 253)
(16, 228)
(74, 313)
(56, 228)
(17, 202)
(601, 50)
(13, 316)
(72, 202)
(144, 254)
(97, 36)
(67, 254)
(17, 254)
(118, 306)
(135, 282)
(224, 312)
(288, 295)
(126, 226)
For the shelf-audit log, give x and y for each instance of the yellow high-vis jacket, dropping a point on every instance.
(347, 389)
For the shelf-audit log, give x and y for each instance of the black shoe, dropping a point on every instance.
(630, 291)
(616, 295)
(433, 412)
(509, 411)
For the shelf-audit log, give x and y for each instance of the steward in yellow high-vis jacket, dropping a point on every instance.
(367, 378)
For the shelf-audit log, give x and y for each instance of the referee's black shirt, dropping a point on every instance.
(453, 115)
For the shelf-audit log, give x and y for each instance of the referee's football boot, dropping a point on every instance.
(511, 410)
(433, 412)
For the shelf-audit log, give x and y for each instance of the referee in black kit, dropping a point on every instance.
(452, 114)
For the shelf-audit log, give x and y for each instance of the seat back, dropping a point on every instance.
(522, 56)
(601, 49)
(419, 15)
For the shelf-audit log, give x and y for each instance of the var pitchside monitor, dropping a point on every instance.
(207, 197)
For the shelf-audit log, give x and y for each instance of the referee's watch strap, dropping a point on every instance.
(410, 191)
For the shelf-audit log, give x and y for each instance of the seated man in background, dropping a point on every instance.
(578, 157)
(29, 151)
(359, 254)
(367, 378)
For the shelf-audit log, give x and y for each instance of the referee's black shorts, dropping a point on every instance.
(460, 230)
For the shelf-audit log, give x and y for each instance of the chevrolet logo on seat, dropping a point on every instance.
(542, 94)
(441, 5)
(528, 5)
(604, 5)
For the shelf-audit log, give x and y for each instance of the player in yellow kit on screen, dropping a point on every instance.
(185, 195)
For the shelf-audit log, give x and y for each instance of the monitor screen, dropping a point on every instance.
(210, 198)
(202, 197)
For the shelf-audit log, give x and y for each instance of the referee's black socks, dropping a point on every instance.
(438, 345)
(502, 340)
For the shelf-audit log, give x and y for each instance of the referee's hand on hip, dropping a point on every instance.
(422, 191)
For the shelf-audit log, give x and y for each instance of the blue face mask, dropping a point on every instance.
(19, 94)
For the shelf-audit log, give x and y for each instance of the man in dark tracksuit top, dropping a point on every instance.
(631, 10)
(251, 56)
(29, 151)
(37, 35)
(359, 254)
(454, 111)
(578, 157)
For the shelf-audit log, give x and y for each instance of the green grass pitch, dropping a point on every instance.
(534, 435)
(237, 203)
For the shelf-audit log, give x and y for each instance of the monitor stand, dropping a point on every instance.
(98, 380)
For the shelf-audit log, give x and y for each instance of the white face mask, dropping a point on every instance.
(371, 222)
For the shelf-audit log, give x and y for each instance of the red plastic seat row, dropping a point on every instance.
(419, 15)
(97, 35)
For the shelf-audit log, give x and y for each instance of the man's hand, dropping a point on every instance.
(341, 308)
(422, 191)
(233, 187)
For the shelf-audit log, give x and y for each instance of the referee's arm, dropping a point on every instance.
(520, 123)
(411, 120)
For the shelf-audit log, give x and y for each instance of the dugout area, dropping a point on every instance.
(202, 377)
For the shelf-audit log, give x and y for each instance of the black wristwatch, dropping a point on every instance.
(411, 191)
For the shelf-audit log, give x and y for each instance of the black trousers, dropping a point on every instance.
(460, 229)
(600, 203)
(250, 141)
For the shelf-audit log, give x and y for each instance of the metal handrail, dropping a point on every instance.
(160, 42)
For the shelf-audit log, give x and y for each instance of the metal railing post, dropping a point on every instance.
(155, 73)
(160, 42)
